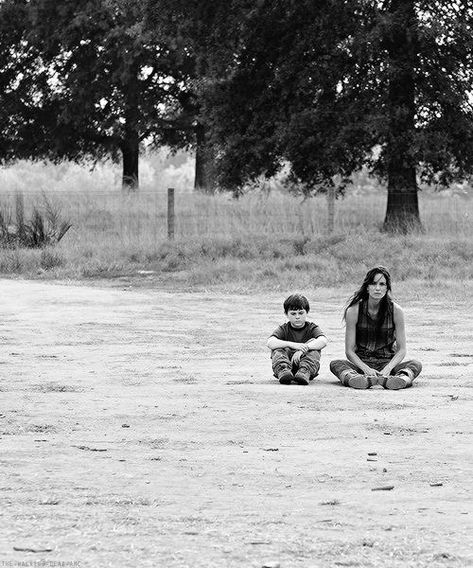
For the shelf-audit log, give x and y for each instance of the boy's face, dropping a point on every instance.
(297, 318)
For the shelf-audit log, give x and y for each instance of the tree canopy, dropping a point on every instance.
(110, 82)
(326, 86)
(322, 84)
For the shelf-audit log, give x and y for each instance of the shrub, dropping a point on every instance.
(43, 228)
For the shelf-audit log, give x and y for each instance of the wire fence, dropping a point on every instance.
(144, 215)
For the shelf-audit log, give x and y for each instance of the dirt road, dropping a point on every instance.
(142, 428)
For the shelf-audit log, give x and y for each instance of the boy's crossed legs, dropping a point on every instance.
(287, 371)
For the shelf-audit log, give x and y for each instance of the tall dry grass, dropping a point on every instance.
(268, 239)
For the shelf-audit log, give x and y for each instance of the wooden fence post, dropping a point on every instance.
(331, 190)
(171, 213)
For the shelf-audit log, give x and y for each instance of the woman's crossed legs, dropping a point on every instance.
(402, 376)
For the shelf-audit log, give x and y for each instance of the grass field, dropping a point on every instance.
(270, 239)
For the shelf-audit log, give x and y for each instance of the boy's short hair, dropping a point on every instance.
(296, 302)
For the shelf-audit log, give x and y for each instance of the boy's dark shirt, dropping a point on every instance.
(286, 332)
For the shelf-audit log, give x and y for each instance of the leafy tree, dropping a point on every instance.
(199, 28)
(110, 85)
(322, 84)
(21, 79)
(425, 61)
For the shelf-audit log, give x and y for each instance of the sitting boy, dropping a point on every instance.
(296, 345)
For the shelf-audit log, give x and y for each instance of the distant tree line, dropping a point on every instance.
(324, 86)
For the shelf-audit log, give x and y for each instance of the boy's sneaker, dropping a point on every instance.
(285, 377)
(301, 378)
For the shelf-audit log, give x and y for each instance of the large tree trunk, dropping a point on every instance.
(402, 212)
(130, 155)
(204, 180)
(131, 139)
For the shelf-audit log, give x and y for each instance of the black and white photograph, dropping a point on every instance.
(236, 275)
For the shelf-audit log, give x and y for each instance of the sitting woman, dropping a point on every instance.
(375, 338)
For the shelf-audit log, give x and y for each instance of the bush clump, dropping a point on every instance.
(43, 228)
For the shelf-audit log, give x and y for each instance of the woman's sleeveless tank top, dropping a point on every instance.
(373, 342)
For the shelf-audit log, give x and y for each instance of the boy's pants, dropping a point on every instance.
(340, 365)
(309, 363)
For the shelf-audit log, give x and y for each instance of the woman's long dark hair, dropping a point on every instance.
(362, 294)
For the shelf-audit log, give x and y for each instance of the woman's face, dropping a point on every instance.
(378, 287)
